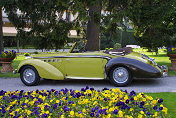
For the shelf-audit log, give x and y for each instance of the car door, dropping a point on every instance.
(84, 66)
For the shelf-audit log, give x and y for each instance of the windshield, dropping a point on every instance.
(78, 47)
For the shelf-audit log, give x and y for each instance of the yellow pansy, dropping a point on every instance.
(110, 103)
(43, 98)
(111, 109)
(126, 97)
(95, 103)
(83, 110)
(144, 99)
(28, 112)
(140, 116)
(73, 105)
(57, 101)
(17, 110)
(8, 108)
(72, 113)
(120, 113)
(161, 105)
(141, 112)
(26, 101)
(63, 99)
(155, 115)
(120, 96)
(155, 101)
(139, 95)
(76, 91)
(128, 116)
(77, 114)
(12, 113)
(32, 103)
(149, 97)
(47, 112)
(135, 98)
(14, 102)
(109, 116)
(21, 116)
(51, 100)
(131, 109)
(165, 110)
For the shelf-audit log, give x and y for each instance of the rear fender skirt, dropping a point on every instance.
(137, 68)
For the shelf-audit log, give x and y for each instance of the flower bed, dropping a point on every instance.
(85, 103)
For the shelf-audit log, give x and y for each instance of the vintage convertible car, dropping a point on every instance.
(118, 66)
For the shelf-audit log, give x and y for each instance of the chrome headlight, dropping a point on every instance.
(28, 57)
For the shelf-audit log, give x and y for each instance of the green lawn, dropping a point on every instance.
(169, 101)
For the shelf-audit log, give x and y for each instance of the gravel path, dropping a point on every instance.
(167, 84)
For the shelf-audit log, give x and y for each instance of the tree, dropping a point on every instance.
(153, 20)
(1, 31)
(48, 29)
(89, 15)
(42, 17)
(93, 28)
(99, 16)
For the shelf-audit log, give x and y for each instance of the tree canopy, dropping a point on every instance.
(44, 18)
(153, 20)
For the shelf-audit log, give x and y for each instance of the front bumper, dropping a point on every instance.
(164, 70)
(15, 71)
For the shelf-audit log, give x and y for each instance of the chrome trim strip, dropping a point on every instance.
(91, 78)
(76, 56)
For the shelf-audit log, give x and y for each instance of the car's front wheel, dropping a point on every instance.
(120, 76)
(29, 76)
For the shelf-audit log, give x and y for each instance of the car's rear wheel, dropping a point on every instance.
(120, 76)
(29, 76)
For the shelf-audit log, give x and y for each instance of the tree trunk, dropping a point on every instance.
(93, 29)
(1, 32)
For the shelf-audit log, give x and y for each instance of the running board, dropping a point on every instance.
(91, 78)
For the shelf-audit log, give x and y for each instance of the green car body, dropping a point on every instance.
(87, 65)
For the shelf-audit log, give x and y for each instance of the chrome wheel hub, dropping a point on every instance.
(120, 75)
(29, 75)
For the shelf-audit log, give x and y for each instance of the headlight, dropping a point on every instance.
(28, 57)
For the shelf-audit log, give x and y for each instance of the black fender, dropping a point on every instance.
(138, 68)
